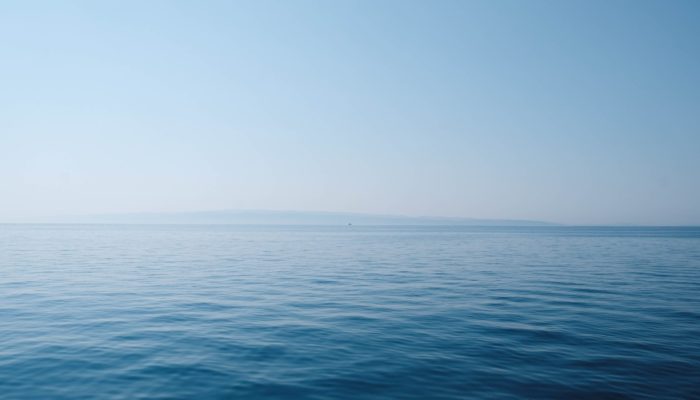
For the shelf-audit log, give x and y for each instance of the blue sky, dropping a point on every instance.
(580, 112)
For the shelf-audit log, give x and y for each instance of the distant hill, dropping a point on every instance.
(262, 217)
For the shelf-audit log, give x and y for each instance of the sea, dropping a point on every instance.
(349, 312)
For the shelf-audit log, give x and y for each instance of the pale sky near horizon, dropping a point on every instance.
(581, 112)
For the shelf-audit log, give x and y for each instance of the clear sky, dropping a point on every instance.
(566, 111)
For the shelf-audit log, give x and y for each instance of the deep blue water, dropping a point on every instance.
(224, 312)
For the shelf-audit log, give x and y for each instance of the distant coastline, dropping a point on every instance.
(271, 217)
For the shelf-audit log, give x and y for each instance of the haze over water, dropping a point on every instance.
(273, 312)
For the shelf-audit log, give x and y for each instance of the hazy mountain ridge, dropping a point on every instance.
(266, 217)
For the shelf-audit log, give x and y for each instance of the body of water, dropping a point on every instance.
(236, 312)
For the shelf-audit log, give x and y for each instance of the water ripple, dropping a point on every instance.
(219, 312)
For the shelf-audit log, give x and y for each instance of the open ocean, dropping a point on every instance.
(349, 312)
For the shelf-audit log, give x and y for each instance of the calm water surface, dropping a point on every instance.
(223, 312)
